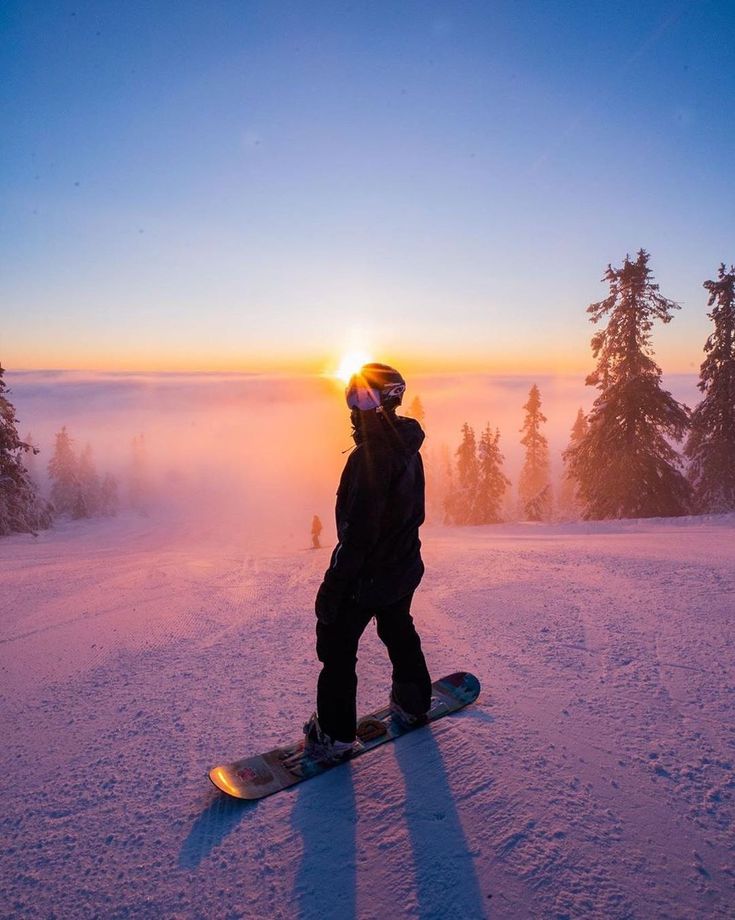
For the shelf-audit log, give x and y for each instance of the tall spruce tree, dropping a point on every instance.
(460, 504)
(416, 410)
(63, 469)
(89, 482)
(569, 500)
(534, 487)
(21, 508)
(109, 499)
(711, 444)
(492, 482)
(30, 462)
(625, 464)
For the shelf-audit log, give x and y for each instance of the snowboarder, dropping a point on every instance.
(375, 567)
(316, 529)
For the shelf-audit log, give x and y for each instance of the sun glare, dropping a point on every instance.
(350, 363)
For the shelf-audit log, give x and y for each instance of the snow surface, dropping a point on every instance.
(594, 777)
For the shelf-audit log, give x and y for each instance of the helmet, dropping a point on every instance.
(375, 386)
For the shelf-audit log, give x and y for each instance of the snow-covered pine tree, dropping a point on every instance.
(538, 508)
(710, 447)
(30, 462)
(492, 482)
(569, 501)
(625, 464)
(89, 482)
(79, 508)
(534, 488)
(416, 410)
(109, 499)
(22, 510)
(63, 470)
(460, 504)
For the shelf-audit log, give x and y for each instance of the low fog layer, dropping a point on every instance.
(266, 451)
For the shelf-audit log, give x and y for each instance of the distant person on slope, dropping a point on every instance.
(316, 529)
(375, 567)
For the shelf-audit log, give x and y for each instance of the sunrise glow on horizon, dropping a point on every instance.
(675, 360)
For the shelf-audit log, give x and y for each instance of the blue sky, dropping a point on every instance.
(233, 185)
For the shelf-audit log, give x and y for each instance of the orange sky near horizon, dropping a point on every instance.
(322, 364)
(236, 359)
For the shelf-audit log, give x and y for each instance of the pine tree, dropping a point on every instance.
(416, 410)
(569, 499)
(538, 507)
(63, 470)
(460, 506)
(109, 499)
(711, 444)
(625, 464)
(492, 482)
(534, 488)
(89, 483)
(21, 508)
(79, 507)
(30, 462)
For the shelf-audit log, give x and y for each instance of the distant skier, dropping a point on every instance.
(316, 529)
(375, 567)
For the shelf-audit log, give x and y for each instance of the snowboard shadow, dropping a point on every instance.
(325, 817)
(478, 714)
(219, 818)
(445, 877)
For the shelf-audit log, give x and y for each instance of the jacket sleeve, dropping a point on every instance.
(367, 495)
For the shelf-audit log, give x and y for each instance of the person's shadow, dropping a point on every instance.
(324, 815)
(326, 819)
(446, 882)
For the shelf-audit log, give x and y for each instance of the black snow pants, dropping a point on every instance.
(336, 647)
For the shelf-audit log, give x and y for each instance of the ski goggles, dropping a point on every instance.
(362, 395)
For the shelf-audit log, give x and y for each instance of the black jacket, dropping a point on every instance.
(380, 507)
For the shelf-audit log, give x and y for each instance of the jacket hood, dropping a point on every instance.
(396, 430)
(410, 433)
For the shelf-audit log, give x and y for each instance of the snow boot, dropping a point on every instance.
(318, 745)
(399, 713)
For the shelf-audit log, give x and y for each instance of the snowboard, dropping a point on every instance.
(263, 774)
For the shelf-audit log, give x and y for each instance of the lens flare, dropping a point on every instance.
(350, 363)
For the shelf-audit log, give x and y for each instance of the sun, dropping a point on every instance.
(351, 363)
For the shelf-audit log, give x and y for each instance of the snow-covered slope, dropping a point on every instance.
(594, 777)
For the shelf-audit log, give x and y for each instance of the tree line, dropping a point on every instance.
(639, 452)
(22, 510)
(76, 488)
